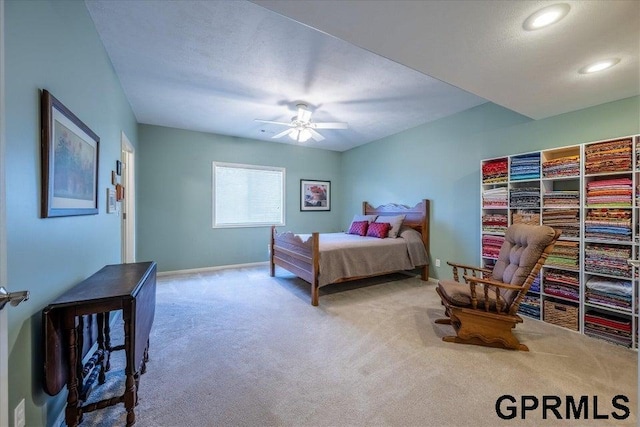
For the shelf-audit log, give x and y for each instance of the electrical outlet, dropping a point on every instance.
(18, 415)
(437, 262)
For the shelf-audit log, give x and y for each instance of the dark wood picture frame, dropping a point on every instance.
(315, 195)
(69, 162)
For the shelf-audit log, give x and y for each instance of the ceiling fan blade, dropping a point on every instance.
(273, 123)
(315, 135)
(303, 114)
(283, 133)
(329, 125)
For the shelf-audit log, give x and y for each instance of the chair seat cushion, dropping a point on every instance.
(459, 294)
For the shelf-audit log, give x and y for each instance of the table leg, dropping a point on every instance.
(107, 341)
(72, 413)
(101, 363)
(130, 389)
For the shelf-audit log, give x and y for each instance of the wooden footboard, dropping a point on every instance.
(301, 258)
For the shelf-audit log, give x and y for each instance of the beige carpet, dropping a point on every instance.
(239, 348)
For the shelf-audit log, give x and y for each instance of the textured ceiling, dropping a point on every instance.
(481, 47)
(383, 67)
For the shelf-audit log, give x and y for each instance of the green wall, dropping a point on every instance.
(441, 161)
(53, 45)
(174, 211)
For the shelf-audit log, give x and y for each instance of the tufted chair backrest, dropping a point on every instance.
(522, 248)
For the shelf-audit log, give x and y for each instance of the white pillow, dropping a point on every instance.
(395, 221)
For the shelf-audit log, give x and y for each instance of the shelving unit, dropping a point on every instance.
(591, 192)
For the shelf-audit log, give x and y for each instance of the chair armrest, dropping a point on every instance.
(474, 270)
(473, 280)
(492, 282)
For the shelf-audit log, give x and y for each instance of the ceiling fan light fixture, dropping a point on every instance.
(546, 16)
(301, 128)
(304, 135)
(294, 134)
(599, 66)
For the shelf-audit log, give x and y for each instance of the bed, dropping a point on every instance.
(328, 258)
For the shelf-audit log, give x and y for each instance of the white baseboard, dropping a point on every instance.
(207, 269)
(432, 280)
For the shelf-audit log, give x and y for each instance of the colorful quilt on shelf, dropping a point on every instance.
(565, 284)
(615, 329)
(525, 167)
(607, 259)
(495, 171)
(561, 167)
(608, 224)
(565, 220)
(617, 192)
(612, 156)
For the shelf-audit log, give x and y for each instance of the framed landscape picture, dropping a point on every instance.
(315, 195)
(69, 156)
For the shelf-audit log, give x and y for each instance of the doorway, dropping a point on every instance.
(128, 205)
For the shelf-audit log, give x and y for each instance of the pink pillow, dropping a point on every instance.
(359, 228)
(378, 229)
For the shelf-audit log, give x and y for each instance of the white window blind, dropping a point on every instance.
(247, 195)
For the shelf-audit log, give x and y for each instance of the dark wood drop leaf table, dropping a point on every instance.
(79, 318)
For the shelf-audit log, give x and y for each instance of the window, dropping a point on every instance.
(247, 195)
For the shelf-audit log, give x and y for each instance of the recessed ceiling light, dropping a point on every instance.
(599, 66)
(546, 16)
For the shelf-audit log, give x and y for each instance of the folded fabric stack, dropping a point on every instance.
(608, 224)
(494, 222)
(491, 245)
(530, 306)
(495, 197)
(525, 167)
(607, 259)
(565, 220)
(561, 198)
(524, 197)
(495, 171)
(564, 255)
(489, 263)
(565, 284)
(525, 217)
(616, 192)
(535, 285)
(613, 156)
(562, 167)
(615, 329)
(609, 292)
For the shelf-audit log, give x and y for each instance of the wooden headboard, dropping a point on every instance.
(416, 217)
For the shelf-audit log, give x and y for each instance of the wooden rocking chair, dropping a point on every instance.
(483, 310)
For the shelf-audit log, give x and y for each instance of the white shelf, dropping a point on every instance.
(569, 159)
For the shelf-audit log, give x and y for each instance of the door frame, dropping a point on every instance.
(4, 351)
(128, 207)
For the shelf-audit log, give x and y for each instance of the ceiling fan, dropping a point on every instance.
(301, 128)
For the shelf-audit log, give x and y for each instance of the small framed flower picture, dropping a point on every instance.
(315, 195)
